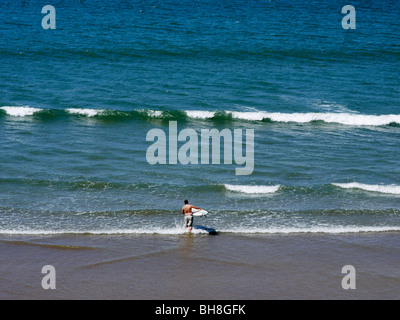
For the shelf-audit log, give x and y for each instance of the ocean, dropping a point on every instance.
(77, 103)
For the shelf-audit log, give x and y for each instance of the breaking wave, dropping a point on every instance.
(20, 111)
(252, 189)
(388, 189)
(350, 119)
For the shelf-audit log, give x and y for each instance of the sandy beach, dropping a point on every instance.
(198, 267)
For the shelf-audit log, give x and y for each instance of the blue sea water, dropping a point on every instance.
(77, 102)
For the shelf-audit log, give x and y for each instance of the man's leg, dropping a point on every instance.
(191, 224)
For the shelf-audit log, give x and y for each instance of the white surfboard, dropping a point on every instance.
(199, 213)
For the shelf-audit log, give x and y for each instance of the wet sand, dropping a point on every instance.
(189, 267)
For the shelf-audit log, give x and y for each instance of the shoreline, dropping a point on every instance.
(199, 266)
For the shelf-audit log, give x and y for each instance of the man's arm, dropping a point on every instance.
(193, 207)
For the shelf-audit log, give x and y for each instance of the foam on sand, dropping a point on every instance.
(313, 229)
(162, 231)
(240, 230)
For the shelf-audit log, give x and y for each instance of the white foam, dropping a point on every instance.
(388, 189)
(252, 189)
(200, 114)
(340, 118)
(316, 229)
(85, 112)
(20, 111)
(180, 231)
(154, 113)
(352, 119)
(151, 113)
(166, 231)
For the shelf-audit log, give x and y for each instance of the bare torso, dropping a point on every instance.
(187, 210)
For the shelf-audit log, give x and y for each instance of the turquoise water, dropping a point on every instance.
(77, 102)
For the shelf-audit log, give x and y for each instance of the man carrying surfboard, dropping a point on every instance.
(187, 211)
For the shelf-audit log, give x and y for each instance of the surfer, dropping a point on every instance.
(187, 211)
